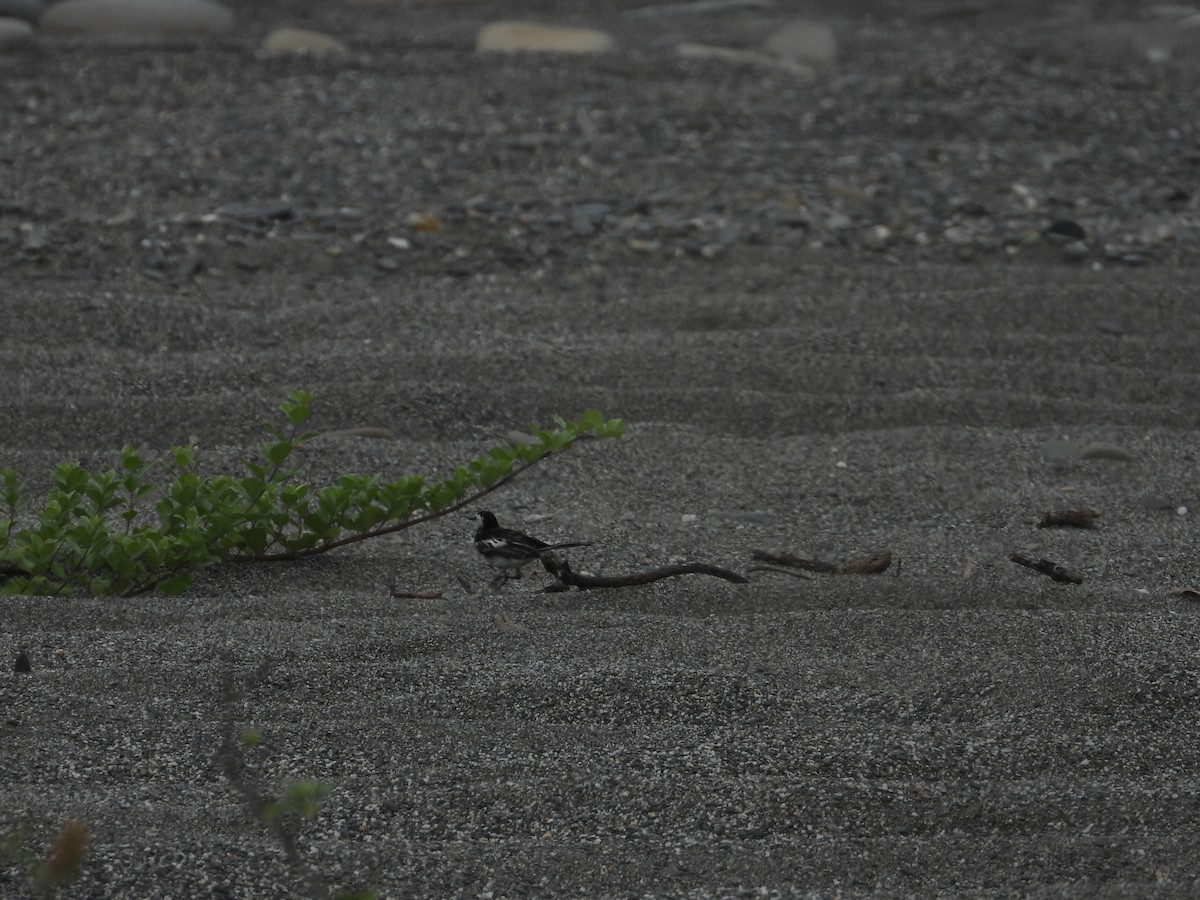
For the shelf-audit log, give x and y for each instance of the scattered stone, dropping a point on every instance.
(1100, 450)
(641, 245)
(26, 10)
(424, 222)
(1106, 326)
(388, 263)
(512, 37)
(137, 18)
(1075, 251)
(586, 218)
(14, 32)
(745, 57)
(300, 40)
(804, 41)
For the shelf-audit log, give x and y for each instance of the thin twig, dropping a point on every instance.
(391, 529)
(1047, 567)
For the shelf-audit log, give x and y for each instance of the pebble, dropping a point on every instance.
(300, 40)
(803, 41)
(137, 18)
(14, 32)
(511, 37)
(1076, 250)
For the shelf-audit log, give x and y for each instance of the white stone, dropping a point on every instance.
(300, 40)
(14, 32)
(137, 18)
(804, 41)
(510, 37)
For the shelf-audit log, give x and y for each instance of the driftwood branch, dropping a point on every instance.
(567, 578)
(871, 564)
(1047, 567)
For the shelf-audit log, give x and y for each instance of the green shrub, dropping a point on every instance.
(121, 532)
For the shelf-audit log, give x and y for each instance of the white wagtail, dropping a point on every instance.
(509, 551)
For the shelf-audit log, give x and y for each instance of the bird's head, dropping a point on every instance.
(487, 519)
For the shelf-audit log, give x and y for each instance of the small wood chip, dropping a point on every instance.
(877, 562)
(1186, 592)
(1070, 518)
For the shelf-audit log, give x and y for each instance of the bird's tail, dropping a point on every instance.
(564, 546)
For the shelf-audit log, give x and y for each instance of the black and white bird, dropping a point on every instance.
(508, 551)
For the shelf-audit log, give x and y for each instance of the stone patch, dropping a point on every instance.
(137, 18)
(511, 37)
(300, 40)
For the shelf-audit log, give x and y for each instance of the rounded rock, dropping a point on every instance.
(512, 37)
(300, 40)
(14, 32)
(804, 41)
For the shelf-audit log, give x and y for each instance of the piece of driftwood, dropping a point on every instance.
(1054, 570)
(1070, 518)
(567, 578)
(872, 564)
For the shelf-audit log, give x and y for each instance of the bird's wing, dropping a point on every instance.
(505, 542)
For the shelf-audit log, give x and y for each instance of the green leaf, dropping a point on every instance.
(176, 584)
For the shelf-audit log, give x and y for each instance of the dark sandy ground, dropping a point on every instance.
(959, 726)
